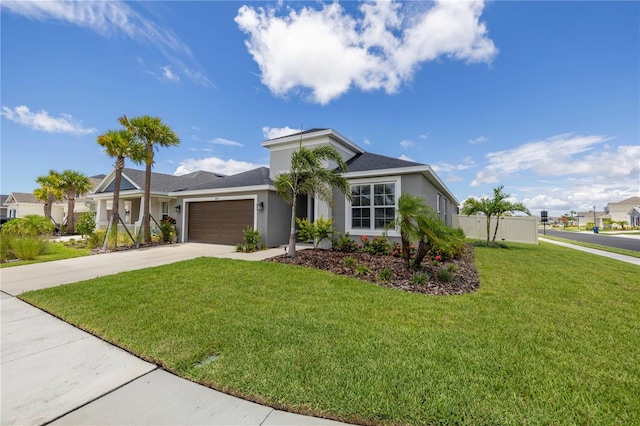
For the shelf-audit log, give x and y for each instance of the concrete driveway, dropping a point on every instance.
(52, 372)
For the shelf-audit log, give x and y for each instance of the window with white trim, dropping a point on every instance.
(438, 204)
(373, 206)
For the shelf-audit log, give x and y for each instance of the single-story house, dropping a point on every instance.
(4, 214)
(621, 210)
(21, 204)
(213, 208)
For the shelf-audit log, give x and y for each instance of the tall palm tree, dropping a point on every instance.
(496, 206)
(49, 191)
(120, 144)
(309, 176)
(152, 133)
(73, 183)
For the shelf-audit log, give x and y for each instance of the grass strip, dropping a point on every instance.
(551, 337)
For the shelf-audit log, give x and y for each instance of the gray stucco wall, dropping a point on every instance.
(277, 216)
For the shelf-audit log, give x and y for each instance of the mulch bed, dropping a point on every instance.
(465, 280)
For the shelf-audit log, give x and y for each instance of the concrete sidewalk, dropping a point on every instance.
(52, 372)
(610, 255)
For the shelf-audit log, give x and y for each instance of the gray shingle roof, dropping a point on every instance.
(161, 182)
(368, 161)
(24, 197)
(255, 177)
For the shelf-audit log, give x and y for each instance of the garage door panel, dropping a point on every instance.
(219, 222)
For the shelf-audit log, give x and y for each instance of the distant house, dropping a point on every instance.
(634, 217)
(621, 210)
(21, 204)
(3, 209)
(213, 208)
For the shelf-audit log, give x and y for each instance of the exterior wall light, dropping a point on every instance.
(260, 206)
(178, 208)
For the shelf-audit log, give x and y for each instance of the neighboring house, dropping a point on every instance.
(213, 208)
(20, 204)
(634, 216)
(621, 210)
(132, 194)
(4, 215)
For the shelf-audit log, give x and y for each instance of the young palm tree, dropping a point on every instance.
(120, 144)
(309, 176)
(152, 133)
(496, 206)
(73, 182)
(410, 212)
(49, 191)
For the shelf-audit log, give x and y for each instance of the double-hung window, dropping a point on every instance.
(373, 206)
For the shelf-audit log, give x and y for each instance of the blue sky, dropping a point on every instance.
(541, 97)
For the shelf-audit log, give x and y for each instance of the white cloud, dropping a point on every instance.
(43, 122)
(278, 132)
(406, 158)
(481, 139)
(561, 155)
(214, 164)
(226, 142)
(366, 141)
(109, 18)
(406, 143)
(169, 75)
(424, 136)
(327, 52)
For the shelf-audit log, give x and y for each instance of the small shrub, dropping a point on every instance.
(349, 262)
(379, 245)
(445, 275)
(362, 270)
(419, 278)
(96, 239)
(252, 239)
(168, 230)
(32, 224)
(452, 268)
(86, 224)
(29, 247)
(385, 274)
(6, 252)
(344, 243)
(321, 229)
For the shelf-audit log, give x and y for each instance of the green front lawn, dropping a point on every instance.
(551, 337)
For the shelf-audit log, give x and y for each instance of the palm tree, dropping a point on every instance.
(308, 176)
(49, 191)
(73, 183)
(153, 133)
(410, 211)
(496, 206)
(120, 144)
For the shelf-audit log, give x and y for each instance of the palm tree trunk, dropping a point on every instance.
(495, 233)
(71, 205)
(147, 196)
(488, 229)
(115, 205)
(292, 234)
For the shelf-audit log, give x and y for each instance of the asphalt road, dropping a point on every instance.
(600, 239)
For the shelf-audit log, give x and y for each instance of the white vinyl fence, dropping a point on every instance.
(515, 229)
